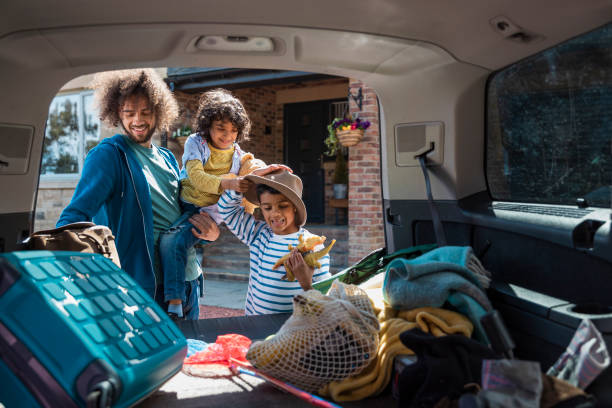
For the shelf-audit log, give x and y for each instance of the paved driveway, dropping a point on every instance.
(222, 298)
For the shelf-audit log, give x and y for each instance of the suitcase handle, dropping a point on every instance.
(98, 385)
(101, 396)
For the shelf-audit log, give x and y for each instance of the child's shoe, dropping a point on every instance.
(174, 317)
(175, 311)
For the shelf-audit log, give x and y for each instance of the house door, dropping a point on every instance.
(305, 130)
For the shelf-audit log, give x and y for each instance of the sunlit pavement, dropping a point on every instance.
(224, 293)
(222, 298)
(213, 312)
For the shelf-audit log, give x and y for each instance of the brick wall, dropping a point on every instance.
(365, 196)
(266, 141)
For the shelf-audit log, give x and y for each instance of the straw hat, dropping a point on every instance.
(286, 183)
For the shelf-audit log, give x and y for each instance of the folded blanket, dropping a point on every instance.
(377, 375)
(447, 274)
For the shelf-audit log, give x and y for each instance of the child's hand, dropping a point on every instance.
(301, 270)
(270, 168)
(238, 184)
(204, 227)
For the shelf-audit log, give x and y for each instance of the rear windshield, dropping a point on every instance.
(549, 125)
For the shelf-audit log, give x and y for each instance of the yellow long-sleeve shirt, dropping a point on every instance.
(202, 187)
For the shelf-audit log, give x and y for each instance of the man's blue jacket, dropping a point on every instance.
(113, 191)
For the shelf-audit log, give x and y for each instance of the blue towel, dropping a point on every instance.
(439, 276)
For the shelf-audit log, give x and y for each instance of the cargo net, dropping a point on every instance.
(327, 338)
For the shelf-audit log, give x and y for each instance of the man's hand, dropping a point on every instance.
(205, 227)
(301, 270)
(238, 184)
(270, 168)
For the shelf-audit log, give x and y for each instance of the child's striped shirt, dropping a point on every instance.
(267, 292)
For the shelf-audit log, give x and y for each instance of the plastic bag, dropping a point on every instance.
(227, 346)
(214, 360)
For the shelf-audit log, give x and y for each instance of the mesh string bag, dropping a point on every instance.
(327, 338)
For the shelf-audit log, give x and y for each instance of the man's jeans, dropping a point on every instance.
(173, 247)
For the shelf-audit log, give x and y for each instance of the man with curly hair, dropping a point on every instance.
(132, 185)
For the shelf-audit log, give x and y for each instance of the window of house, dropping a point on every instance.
(73, 128)
(549, 125)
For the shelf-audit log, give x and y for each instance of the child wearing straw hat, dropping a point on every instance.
(279, 196)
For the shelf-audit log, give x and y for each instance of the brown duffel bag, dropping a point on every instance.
(79, 237)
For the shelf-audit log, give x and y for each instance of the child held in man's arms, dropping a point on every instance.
(212, 163)
(279, 196)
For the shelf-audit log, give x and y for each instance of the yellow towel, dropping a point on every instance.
(377, 375)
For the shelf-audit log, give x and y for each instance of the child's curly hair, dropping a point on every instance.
(220, 104)
(113, 87)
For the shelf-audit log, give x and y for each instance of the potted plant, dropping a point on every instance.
(181, 134)
(348, 131)
(340, 178)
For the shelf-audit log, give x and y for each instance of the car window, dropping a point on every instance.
(549, 125)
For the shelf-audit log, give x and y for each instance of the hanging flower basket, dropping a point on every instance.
(346, 131)
(349, 137)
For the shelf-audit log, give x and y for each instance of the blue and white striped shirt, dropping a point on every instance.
(267, 292)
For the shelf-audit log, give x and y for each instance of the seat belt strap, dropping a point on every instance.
(435, 217)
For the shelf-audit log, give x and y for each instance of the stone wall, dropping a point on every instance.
(51, 200)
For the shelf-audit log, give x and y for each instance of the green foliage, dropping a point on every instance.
(331, 141)
(90, 128)
(335, 149)
(182, 131)
(62, 123)
(90, 144)
(66, 163)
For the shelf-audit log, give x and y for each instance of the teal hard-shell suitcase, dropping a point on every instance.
(75, 330)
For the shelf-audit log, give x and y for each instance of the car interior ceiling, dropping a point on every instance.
(421, 72)
(410, 77)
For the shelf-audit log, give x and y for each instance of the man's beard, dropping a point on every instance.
(144, 139)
